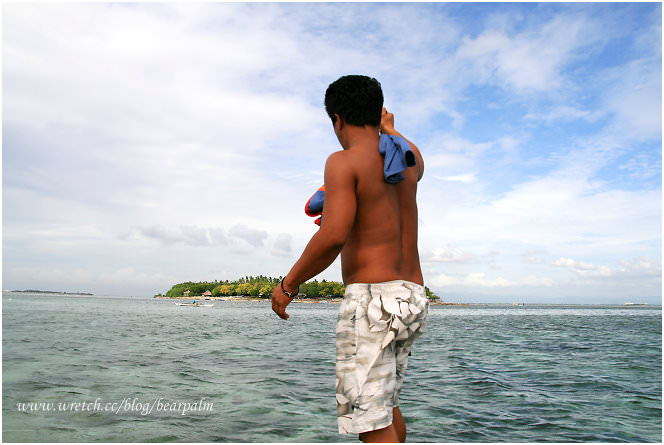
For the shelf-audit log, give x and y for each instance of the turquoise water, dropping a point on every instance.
(479, 374)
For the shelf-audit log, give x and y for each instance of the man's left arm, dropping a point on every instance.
(339, 210)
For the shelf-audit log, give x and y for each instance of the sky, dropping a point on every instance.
(149, 144)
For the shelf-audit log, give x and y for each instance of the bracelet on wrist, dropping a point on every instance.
(289, 294)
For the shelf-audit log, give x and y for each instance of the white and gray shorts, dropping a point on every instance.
(376, 327)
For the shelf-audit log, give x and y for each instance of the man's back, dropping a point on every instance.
(373, 224)
(382, 244)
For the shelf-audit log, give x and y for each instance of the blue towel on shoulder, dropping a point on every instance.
(398, 157)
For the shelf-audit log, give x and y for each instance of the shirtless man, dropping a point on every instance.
(373, 224)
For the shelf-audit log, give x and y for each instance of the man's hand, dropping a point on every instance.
(279, 302)
(386, 122)
(387, 127)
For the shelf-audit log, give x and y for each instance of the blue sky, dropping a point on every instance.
(149, 144)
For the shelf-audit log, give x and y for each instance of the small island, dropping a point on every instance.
(259, 288)
(34, 291)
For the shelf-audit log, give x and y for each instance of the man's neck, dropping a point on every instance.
(365, 136)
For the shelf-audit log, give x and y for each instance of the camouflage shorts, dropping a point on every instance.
(376, 328)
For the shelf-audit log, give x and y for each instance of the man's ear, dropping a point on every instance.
(337, 118)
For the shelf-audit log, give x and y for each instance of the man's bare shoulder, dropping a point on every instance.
(340, 162)
(340, 155)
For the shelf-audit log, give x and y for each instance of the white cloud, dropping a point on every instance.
(466, 179)
(533, 260)
(567, 113)
(80, 279)
(530, 60)
(131, 278)
(282, 244)
(54, 278)
(201, 127)
(642, 266)
(160, 233)
(254, 237)
(556, 210)
(635, 96)
(582, 268)
(187, 234)
(508, 143)
(643, 166)
(480, 280)
(637, 268)
(448, 254)
(453, 143)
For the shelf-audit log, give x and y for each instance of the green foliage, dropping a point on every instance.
(262, 286)
(242, 289)
(266, 290)
(224, 290)
(255, 287)
(324, 289)
(430, 295)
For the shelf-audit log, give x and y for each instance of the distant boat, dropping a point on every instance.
(636, 304)
(195, 304)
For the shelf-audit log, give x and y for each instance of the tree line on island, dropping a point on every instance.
(259, 287)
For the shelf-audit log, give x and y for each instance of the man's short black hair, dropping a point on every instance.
(358, 100)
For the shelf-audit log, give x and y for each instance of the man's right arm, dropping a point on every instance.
(339, 209)
(387, 127)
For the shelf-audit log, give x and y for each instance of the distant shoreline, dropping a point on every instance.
(297, 300)
(32, 291)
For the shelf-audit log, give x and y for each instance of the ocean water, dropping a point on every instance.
(478, 374)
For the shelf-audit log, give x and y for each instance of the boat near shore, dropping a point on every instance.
(195, 304)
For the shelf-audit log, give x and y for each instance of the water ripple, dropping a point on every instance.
(498, 374)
